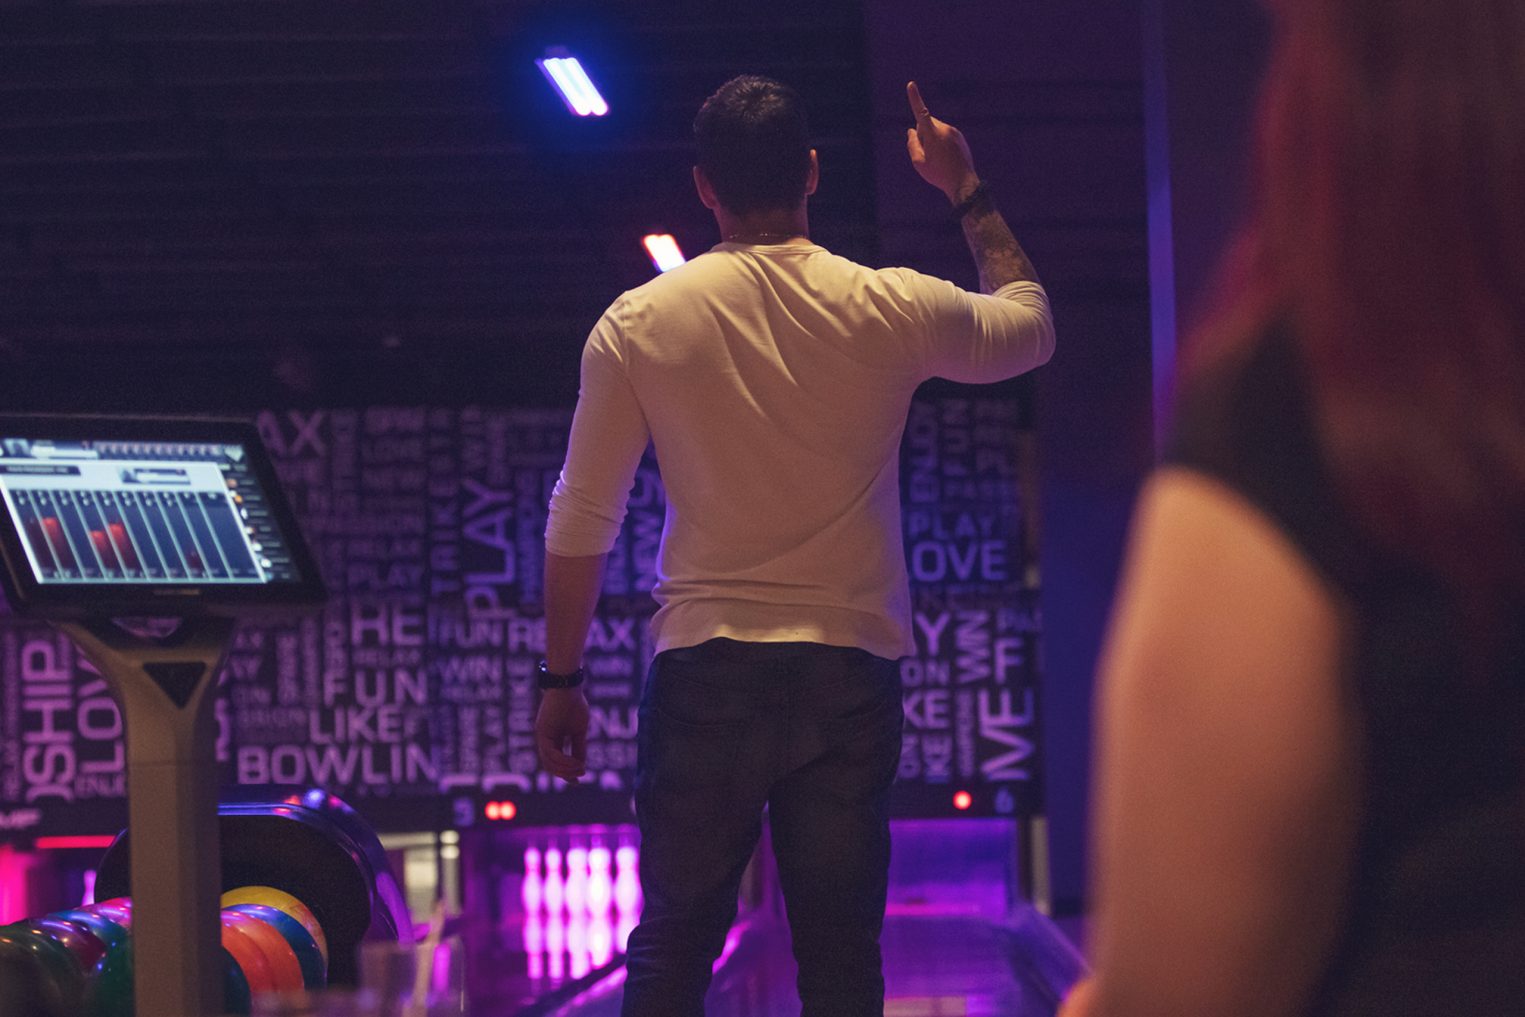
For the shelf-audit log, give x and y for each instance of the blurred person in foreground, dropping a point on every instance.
(773, 379)
(1312, 706)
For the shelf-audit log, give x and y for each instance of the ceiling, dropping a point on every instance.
(239, 204)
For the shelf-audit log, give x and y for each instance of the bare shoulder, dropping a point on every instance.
(1229, 760)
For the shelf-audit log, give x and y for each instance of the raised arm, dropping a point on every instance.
(941, 155)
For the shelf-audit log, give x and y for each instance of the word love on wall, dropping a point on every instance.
(417, 681)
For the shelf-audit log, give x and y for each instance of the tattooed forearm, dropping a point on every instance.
(999, 257)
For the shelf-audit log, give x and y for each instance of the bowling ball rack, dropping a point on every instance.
(296, 844)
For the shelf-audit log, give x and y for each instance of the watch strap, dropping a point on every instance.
(979, 194)
(548, 679)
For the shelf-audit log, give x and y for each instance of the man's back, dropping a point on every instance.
(774, 382)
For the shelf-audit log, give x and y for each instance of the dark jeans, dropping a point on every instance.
(811, 731)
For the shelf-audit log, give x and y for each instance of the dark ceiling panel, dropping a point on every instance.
(190, 188)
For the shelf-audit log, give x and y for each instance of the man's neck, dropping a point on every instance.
(769, 227)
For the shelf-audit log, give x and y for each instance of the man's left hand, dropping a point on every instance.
(561, 733)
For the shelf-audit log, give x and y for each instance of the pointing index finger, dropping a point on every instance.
(918, 105)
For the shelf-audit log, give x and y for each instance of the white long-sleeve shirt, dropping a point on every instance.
(774, 382)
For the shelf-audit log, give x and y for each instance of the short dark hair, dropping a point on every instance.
(754, 144)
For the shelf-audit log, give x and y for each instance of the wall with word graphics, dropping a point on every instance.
(412, 693)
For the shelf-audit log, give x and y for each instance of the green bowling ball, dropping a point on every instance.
(59, 974)
(110, 992)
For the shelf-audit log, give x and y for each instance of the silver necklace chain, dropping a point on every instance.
(738, 237)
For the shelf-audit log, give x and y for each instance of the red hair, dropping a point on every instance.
(1389, 230)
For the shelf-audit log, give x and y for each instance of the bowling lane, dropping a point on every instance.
(550, 911)
(934, 966)
(958, 939)
(529, 966)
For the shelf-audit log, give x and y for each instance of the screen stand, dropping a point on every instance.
(166, 687)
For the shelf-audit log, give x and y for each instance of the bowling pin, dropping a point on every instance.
(623, 927)
(534, 946)
(556, 947)
(532, 890)
(577, 881)
(600, 881)
(600, 939)
(627, 882)
(555, 887)
(578, 960)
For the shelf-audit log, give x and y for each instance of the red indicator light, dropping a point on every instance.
(500, 811)
(70, 843)
(962, 800)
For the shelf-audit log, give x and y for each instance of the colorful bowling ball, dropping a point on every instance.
(21, 990)
(284, 966)
(314, 971)
(281, 901)
(110, 992)
(236, 995)
(58, 973)
(249, 956)
(88, 948)
(103, 928)
(118, 909)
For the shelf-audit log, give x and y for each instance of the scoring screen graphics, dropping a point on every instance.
(114, 512)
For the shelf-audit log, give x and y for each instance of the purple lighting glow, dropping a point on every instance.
(571, 81)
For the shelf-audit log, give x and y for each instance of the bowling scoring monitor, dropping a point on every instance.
(118, 516)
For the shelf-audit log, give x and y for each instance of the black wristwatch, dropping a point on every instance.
(976, 195)
(550, 680)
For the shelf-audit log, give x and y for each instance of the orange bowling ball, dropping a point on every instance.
(249, 956)
(285, 968)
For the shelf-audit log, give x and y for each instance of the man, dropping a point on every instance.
(773, 379)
